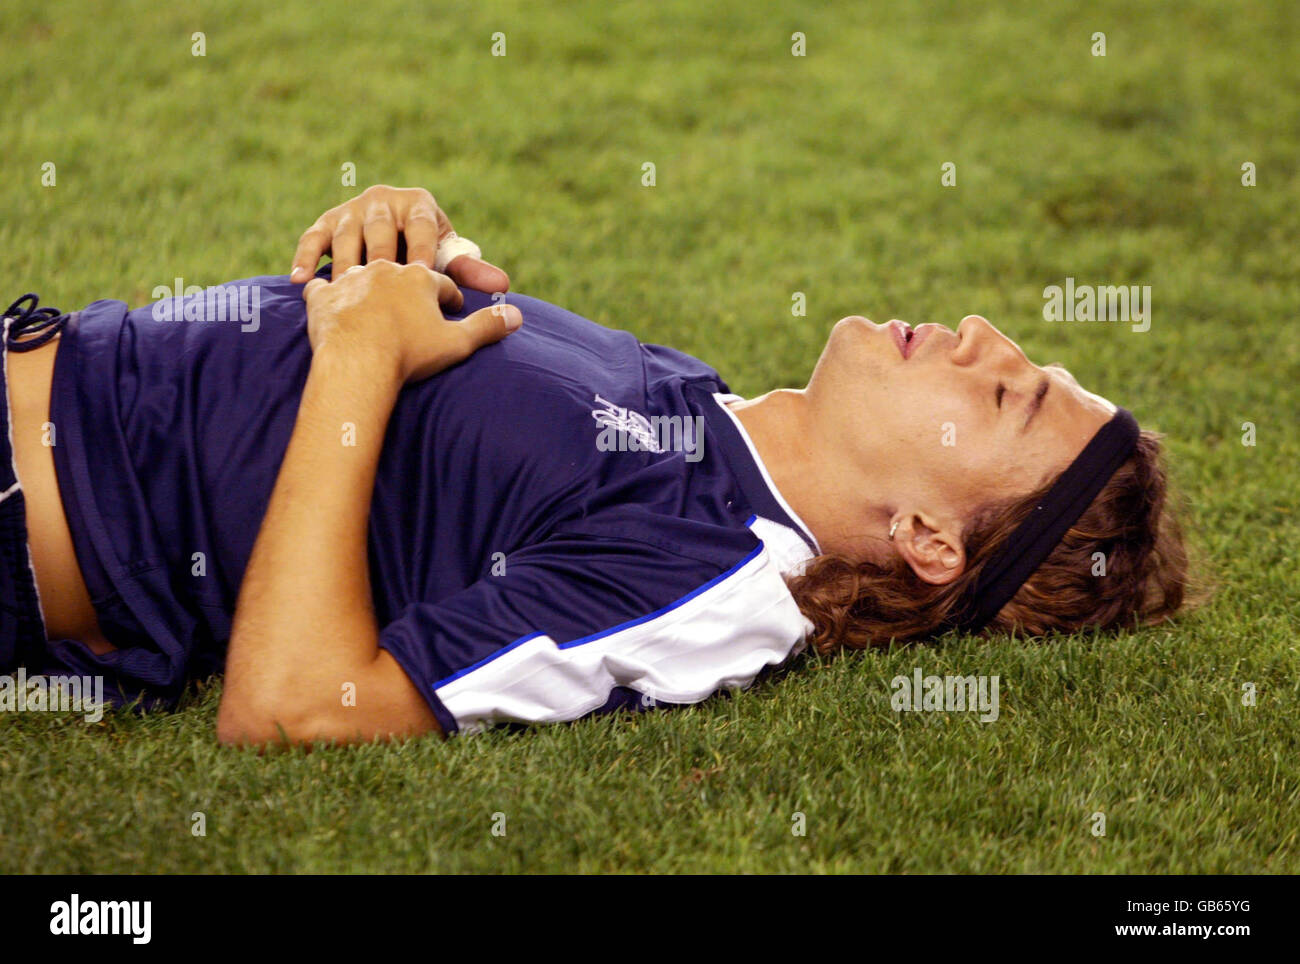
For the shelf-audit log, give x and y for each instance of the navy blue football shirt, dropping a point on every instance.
(568, 522)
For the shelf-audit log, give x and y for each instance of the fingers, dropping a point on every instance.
(377, 223)
(448, 293)
(491, 324)
(425, 224)
(477, 274)
(347, 243)
(380, 231)
(313, 244)
(422, 228)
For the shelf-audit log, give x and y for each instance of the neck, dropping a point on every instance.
(811, 475)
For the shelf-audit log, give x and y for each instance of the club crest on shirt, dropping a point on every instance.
(623, 430)
(614, 420)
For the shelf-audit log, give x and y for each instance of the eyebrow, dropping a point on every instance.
(1037, 402)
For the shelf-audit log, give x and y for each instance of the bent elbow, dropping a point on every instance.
(245, 722)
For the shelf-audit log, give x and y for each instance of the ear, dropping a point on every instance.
(933, 548)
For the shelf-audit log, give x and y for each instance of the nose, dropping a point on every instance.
(980, 343)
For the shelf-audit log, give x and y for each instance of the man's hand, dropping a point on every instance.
(390, 314)
(370, 227)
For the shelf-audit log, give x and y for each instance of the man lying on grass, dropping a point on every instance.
(398, 523)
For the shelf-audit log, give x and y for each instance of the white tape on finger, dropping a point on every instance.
(452, 247)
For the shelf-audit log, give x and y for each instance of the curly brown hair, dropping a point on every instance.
(853, 605)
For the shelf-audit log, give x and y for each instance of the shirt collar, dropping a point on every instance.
(747, 466)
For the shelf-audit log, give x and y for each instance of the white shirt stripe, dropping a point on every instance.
(719, 638)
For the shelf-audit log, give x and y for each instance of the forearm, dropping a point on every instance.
(306, 580)
(304, 660)
(304, 628)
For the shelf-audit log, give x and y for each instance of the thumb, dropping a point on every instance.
(474, 273)
(493, 323)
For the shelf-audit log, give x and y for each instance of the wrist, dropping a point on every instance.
(342, 359)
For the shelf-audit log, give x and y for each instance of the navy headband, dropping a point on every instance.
(1036, 537)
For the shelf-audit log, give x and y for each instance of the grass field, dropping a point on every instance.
(775, 174)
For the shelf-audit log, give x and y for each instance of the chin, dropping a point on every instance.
(851, 334)
(853, 353)
(856, 321)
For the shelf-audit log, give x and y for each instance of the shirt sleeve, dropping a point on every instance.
(564, 627)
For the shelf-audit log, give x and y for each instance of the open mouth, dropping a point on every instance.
(903, 335)
(909, 339)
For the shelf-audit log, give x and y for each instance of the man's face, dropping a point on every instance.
(963, 417)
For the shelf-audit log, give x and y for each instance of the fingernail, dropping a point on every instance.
(297, 273)
(513, 318)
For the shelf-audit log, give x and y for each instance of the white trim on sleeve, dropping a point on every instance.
(720, 636)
